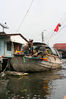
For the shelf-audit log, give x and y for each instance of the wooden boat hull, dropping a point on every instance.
(28, 64)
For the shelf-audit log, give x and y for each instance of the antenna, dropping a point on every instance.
(4, 26)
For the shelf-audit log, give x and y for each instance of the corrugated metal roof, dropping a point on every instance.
(18, 38)
(19, 35)
(61, 46)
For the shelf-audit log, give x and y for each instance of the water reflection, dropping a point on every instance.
(34, 86)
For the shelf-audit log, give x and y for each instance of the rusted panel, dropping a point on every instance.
(61, 46)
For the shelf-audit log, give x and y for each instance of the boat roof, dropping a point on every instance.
(40, 44)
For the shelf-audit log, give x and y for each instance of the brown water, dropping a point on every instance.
(45, 85)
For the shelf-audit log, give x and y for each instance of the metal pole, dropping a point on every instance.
(43, 39)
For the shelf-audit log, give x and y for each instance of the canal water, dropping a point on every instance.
(45, 85)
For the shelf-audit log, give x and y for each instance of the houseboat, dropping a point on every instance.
(9, 43)
(14, 56)
(44, 58)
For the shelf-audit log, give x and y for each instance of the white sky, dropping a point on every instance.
(43, 15)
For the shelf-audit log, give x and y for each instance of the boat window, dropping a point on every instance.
(54, 51)
(48, 50)
(20, 47)
(17, 47)
(34, 47)
(59, 54)
(9, 44)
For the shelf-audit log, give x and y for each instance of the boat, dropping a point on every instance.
(14, 56)
(45, 58)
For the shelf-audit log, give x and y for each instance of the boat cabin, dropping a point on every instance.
(42, 47)
(9, 43)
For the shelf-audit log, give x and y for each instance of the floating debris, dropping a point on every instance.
(13, 73)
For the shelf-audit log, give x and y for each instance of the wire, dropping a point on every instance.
(50, 38)
(25, 15)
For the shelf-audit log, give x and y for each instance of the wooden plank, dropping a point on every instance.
(13, 73)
